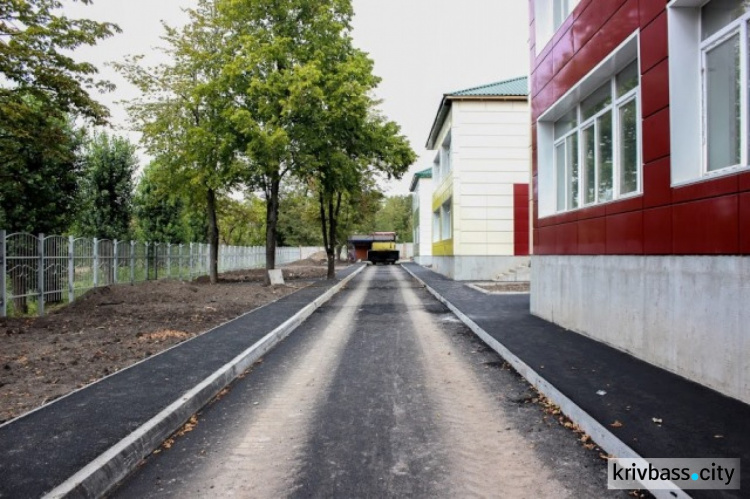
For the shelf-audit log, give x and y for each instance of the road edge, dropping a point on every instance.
(598, 432)
(112, 466)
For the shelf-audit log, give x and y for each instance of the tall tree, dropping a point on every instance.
(346, 143)
(39, 178)
(35, 60)
(184, 113)
(275, 44)
(105, 205)
(42, 89)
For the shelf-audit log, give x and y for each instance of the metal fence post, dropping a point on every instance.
(191, 262)
(179, 263)
(132, 262)
(114, 262)
(146, 259)
(3, 270)
(71, 269)
(96, 262)
(40, 301)
(169, 259)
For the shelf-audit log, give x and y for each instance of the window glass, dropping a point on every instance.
(562, 181)
(589, 165)
(601, 98)
(718, 13)
(627, 79)
(447, 220)
(566, 123)
(572, 170)
(723, 108)
(628, 148)
(605, 164)
(436, 226)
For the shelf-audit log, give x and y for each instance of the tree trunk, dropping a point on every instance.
(213, 237)
(272, 219)
(333, 215)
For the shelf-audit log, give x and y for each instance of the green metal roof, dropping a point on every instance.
(427, 173)
(423, 174)
(513, 87)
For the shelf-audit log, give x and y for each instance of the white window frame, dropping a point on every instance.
(613, 108)
(436, 224)
(546, 27)
(605, 71)
(446, 214)
(740, 27)
(687, 94)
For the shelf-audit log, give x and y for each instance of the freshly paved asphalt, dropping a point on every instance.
(697, 421)
(365, 415)
(44, 448)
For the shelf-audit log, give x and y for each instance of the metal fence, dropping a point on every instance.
(39, 271)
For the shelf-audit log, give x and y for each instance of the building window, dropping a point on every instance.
(549, 16)
(447, 228)
(709, 47)
(724, 40)
(596, 145)
(445, 156)
(436, 226)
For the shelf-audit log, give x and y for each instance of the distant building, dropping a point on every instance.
(641, 120)
(421, 189)
(480, 177)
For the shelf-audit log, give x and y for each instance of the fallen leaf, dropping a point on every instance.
(616, 424)
(657, 420)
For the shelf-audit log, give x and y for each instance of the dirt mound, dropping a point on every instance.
(110, 328)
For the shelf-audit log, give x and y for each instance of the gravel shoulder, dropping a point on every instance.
(111, 328)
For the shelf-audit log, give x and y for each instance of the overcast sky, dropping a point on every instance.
(422, 49)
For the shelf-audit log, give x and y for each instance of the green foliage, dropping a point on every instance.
(159, 215)
(183, 115)
(299, 219)
(35, 60)
(39, 174)
(242, 222)
(395, 215)
(106, 188)
(43, 88)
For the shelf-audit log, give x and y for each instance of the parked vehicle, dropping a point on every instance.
(383, 248)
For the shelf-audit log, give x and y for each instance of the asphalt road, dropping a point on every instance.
(381, 393)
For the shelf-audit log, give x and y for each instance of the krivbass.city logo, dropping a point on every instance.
(666, 473)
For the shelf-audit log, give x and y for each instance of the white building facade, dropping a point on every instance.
(421, 192)
(480, 201)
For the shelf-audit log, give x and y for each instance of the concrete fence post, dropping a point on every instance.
(71, 269)
(40, 302)
(3, 270)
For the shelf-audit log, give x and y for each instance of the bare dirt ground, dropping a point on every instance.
(111, 328)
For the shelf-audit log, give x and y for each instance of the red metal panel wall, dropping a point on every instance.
(710, 217)
(521, 219)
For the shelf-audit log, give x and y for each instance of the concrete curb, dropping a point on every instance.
(111, 467)
(599, 433)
